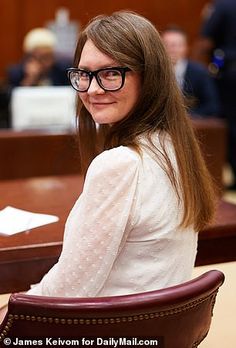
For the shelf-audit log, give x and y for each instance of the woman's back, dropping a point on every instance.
(156, 252)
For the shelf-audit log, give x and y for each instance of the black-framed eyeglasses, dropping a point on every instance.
(109, 79)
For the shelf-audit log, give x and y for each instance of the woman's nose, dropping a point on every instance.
(94, 87)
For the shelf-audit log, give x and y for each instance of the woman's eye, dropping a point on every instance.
(83, 75)
(111, 74)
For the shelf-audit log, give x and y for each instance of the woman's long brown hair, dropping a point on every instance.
(134, 42)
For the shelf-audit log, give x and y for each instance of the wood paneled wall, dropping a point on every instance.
(20, 16)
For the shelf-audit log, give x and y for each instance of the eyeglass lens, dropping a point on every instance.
(107, 79)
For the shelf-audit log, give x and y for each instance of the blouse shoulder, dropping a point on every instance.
(117, 159)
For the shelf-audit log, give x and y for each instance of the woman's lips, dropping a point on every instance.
(101, 105)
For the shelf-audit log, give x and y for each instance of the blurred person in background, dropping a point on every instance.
(192, 77)
(39, 66)
(218, 44)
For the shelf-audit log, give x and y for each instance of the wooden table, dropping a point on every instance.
(27, 256)
(217, 243)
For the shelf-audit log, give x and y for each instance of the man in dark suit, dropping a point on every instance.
(219, 43)
(192, 77)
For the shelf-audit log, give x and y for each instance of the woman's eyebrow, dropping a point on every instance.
(103, 66)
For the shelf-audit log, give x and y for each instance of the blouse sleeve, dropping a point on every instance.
(96, 228)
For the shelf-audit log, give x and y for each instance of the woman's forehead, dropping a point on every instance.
(93, 58)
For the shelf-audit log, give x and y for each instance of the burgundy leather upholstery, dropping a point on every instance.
(179, 315)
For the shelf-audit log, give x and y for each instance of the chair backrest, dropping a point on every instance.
(177, 316)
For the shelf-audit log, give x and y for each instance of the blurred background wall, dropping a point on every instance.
(20, 16)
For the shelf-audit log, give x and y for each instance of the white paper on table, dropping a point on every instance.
(13, 220)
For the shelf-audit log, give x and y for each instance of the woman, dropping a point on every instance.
(133, 228)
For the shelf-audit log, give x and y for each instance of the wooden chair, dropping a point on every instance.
(178, 316)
